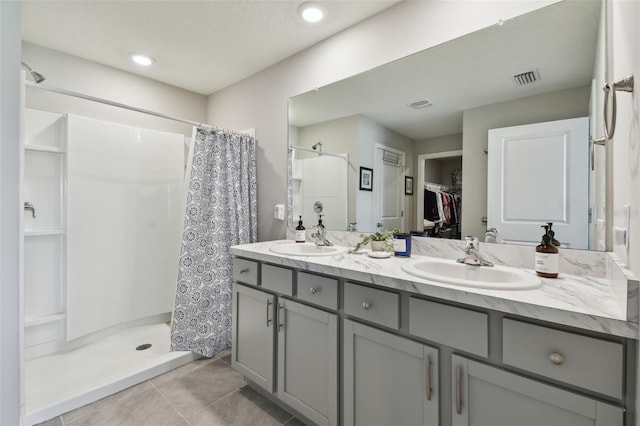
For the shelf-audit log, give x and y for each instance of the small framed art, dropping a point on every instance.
(366, 179)
(408, 185)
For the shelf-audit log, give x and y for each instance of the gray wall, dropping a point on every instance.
(79, 75)
(11, 314)
(260, 101)
(439, 144)
(570, 103)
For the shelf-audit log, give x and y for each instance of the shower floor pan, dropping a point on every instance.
(60, 383)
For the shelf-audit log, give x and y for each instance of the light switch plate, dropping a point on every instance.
(278, 212)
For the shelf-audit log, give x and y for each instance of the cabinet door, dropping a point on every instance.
(488, 396)
(308, 361)
(253, 334)
(388, 380)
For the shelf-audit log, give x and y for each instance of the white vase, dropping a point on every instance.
(378, 245)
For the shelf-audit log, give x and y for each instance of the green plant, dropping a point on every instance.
(386, 236)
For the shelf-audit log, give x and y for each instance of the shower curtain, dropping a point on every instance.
(221, 211)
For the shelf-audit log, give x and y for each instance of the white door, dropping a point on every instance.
(538, 173)
(388, 188)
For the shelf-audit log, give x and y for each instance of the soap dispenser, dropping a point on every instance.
(547, 256)
(300, 232)
(553, 235)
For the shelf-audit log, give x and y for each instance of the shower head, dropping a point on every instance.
(37, 77)
(318, 146)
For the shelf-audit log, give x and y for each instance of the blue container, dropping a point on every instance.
(402, 245)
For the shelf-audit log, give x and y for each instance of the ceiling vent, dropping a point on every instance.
(527, 77)
(423, 103)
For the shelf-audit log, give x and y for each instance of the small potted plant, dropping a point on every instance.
(380, 241)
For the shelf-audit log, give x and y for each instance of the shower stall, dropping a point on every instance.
(103, 217)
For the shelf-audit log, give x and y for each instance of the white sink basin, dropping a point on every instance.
(307, 249)
(489, 277)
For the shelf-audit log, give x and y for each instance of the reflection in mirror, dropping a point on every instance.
(318, 184)
(543, 66)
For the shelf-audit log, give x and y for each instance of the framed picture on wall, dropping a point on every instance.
(408, 185)
(366, 179)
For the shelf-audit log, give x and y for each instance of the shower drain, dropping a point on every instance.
(143, 347)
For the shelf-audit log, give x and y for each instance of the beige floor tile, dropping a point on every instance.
(245, 407)
(57, 421)
(190, 390)
(295, 422)
(141, 405)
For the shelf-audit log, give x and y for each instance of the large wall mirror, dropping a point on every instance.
(374, 147)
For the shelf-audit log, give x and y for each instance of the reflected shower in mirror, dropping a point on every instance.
(542, 66)
(318, 184)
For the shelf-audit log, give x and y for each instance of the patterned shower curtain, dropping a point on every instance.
(221, 211)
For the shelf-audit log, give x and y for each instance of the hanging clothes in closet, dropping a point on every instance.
(441, 208)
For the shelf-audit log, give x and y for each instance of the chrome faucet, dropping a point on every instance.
(320, 234)
(472, 253)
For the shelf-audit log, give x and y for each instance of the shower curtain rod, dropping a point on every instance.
(316, 152)
(116, 104)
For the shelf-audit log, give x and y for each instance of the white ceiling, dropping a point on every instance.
(201, 46)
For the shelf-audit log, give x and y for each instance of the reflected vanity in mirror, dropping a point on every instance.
(428, 116)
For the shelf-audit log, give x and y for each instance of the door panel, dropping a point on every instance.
(388, 380)
(253, 335)
(389, 188)
(488, 396)
(308, 361)
(539, 173)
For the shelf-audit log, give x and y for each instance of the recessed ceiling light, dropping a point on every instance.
(144, 60)
(422, 103)
(311, 12)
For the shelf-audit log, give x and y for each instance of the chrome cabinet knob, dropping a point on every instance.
(366, 305)
(556, 358)
(314, 290)
(244, 270)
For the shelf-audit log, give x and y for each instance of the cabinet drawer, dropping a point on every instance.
(322, 291)
(456, 327)
(277, 279)
(373, 305)
(587, 362)
(245, 271)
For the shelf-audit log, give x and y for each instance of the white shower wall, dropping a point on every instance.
(101, 253)
(324, 179)
(124, 220)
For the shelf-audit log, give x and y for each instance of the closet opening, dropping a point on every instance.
(439, 190)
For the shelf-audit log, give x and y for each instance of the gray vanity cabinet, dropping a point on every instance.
(388, 379)
(308, 361)
(286, 347)
(483, 395)
(400, 350)
(253, 334)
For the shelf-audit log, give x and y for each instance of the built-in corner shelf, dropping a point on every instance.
(43, 232)
(43, 319)
(44, 148)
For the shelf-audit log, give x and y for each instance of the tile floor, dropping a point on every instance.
(203, 392)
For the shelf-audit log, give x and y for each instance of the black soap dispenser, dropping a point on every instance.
(547, 256)
(553, 235)
(300, 232)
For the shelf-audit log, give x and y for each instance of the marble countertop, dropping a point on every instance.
(579, 301)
